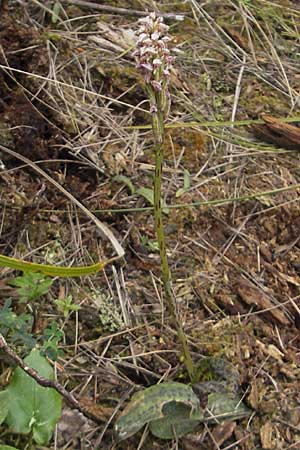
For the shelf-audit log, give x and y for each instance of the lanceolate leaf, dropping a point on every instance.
(7, 447)
(33, 408)
(53, 271)
(186, 184)
(55, 12)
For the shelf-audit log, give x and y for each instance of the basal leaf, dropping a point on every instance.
(157, 402)
(33, 408)
(173, 409)
(223, 406)
(176, 421)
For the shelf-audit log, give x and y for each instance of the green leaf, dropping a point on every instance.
(148, 194)
(31, 286)
(51, 338)
(179, 420)
(173, 409)
(125, 180)
(16, 329)
(33, 408)
(176, 421)
(7, 447)
(66, 305)
(55, 12)
(224, 406)
(186, 184)
(3, 405)
(152, 245)
(157, 402)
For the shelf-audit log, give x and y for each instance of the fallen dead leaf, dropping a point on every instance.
(223, 431)
(237, 37)
(71, 424)
(271, 350)
(253, 397)
(253, 296)
(103, 413)
(266, 433)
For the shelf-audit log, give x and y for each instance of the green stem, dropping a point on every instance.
(158, 132)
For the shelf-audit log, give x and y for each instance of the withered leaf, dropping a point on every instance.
(237, 37)
(223, 431)
(251, 295)
(96, 410)
(266, 433)
(277, 132)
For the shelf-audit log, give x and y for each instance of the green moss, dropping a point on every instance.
(109, 313)
(6, 138)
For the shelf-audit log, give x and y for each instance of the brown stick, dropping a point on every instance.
(121, 11)
(70, 399)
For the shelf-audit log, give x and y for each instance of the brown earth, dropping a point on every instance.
(235, 267)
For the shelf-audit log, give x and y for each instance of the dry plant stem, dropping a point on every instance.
(158, 133)
(115, 10)
(70, 399)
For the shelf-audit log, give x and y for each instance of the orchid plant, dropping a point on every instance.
(154, 60)
(170, 409)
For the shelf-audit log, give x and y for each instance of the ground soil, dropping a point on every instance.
(235, 266)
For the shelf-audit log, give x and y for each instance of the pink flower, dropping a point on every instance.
(147, 66)
(157, 62)
(155, 36)
(157, 85)
(153, 56)
(153, 109)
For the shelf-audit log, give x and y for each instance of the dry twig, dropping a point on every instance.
(68, 396)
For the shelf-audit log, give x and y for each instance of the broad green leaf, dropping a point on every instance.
(224, 406)
(3, 406)
(173, 409)
(148, 194)
(176, 422)
(33, 408)
(156, 402)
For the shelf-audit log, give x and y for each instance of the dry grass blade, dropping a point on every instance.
(115, 10)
